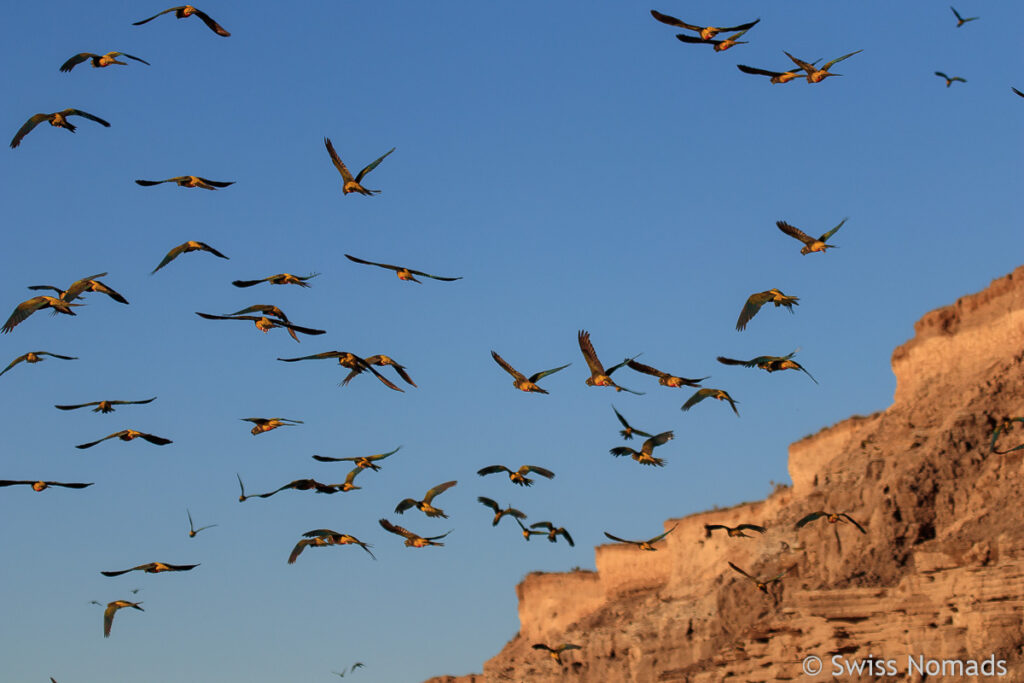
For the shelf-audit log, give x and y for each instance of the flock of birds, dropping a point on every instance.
(267, 317)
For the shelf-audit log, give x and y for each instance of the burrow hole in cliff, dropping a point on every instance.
(925, 533)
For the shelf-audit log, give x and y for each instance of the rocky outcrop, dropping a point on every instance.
(939, 577)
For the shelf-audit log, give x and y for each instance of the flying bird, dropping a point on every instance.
(319, 538)
(733, 532)
(108, 614)
(554, 532)
(1004, 427)
(104, 406)
(776, 76)
(192, 530)
(759, 299)
(353, 184)
(98, 61)
(645, 455)
(521, 381)
(643, 545)
(183, 11)
(960, 21)
(128, 435)
(154, 568)
(43, 485)
(35, 357)
(950, 79)
(529, 532)
(361, 461)
(556, 652)
(58, 120)
(188, 181)
(816, 75)
(761, 585)
(402, 272)
(30, 306)
(349, 360)
(279, 279)
(719, 45)
(300, 485)
(599, 377)
(499, 512)
(517, 476)
(412, 540)
(191, 245)
(831, 518)
(79, 287)
(664, 379)
(265, 424)
(265, 324)
(706, 32)
(769, 363)
(810, 244)
(629, 431)
(424, 505)
(702, 394)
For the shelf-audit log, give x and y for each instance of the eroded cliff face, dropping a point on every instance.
(941, 574)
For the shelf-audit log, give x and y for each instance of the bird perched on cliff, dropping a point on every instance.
(816, 74)
(499, 512)
(30, 306)
(154, 568)
(42, 485)
(776, 76)
(188, 181)
(629, 431)
(556, 652)
(104, 406)
(353, 184)
(719, 45)
(664, 379)
(530, 532)
(521, 381)
(128, 435)
(761, 585)
(361, 461)
(191, 245)
(554, 532)
(98, 61)
(424, 505)
(183, 11)
(412, 540)
(517, 476)
(402, 272)
(319, 538)
(35, 357)
(733, 532)
(1004, 427)
(645, 455)
(265, 424)
(960, 21)
(769, 363)
(810, 244)
(702, 394)
(265, 324)
(642, 545)
(950, 79)
(831, 518)
(706, 32)
(349, 360)
(108, 614)
(57, 119)
(279, 279)
(192, 530)
(757, 300)
(79, 287)
(599, 377)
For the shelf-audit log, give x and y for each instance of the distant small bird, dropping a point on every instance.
(831, 518)
(645, 455)
(776, 76)
(353, 184)
(556, 652)
(664, 379)
(950, 79)
(79, 287)
(265, 424)
(188, 181)
(702, 394)
(265, 324)
(815, 74)
(183, 11)
(30, 306)
(361, 461)
(424, 505)
(319, 538)
(517, 476)
(154, 568)
(357, 665)
(759, 299)
(1005, 426)
(960, 21)
(599, 377)
(192, 530)
(35, 357)
(499, 512)
(769, 363)
(108, 615)
(810, 244)
(521, 381)
(761, 585)
(629, 431)
(643, 545)
(733, 532)
(105, 406)
(530, 532)
(279, 279)
(381, 361)
(554, 532)
(719, 45)
(128, 435)
(191, 245)
(58, 120)
(412, 540)
(43, 485)
(349, 360)
(402, 272)
(706, 32)
(98, 61)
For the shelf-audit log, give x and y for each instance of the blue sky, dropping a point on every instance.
(580, 168)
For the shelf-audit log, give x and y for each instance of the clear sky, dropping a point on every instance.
(579, 167)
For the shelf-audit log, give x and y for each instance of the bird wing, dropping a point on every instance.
(658, 440)
(810, 518)
(381, 456)
(395, 529)
(839, 59)
(303, 330)
(619, 451)
(536, 377)
(203, 246)
(246, 283)
(85, 114)
(172, 9)
(434, 277)
(697, 397)
(489, 503)
(539, 470)
(1017, 91)
(125, 54)
(793, 231)
(350, 477)
(210, 23)
(833, 231)
(27, 127)
(211, 316)
(73, 485)
(93, 443)
(742, 572)
(118, 573)
(733, 361)
(851, 519)
(942, 75)
(752, 527)
(158, 440)
(568, 538)
(126, 403)
(297, 550)
(751, 307)
(646, 369)
(369, 167)
(741, 27)
(758, 72)
(672, 21)
(620, 540)
(508, 368)
(76, 60)
(373, 263)
(809, 68)
(492, 469)
(14, 362)
(696, 39)
(956, 14)
(324, 458)
(438, 490)
(588, 352)
(434, 538)
(404, 505)
(546, 525)
(108, 618)
(662, 535)
(171, 255)
(216, 183)
(338, 163)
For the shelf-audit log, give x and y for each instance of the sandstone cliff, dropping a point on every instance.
(940, 573)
